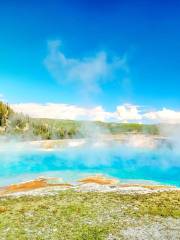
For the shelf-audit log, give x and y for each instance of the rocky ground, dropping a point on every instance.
(96, 208)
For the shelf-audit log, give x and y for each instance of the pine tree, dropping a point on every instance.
(5, 112)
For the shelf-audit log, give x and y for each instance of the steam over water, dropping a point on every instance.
(71, 163)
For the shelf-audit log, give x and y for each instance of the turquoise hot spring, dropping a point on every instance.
(72, 163)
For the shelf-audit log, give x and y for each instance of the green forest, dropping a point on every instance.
(15, 124)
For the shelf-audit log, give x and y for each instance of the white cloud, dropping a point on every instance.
(49, 110)
(87, 73)
(59, 111)
(164, 116)
(65, 111)
(123, 113)
(99, 114)
(128, 112)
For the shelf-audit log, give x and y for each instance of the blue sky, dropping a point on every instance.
(143, 37)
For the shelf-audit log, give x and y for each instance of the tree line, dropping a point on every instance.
(16, 124)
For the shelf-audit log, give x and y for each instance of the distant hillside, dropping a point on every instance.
(19, 125)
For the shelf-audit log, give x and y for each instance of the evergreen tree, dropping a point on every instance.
(5, 112)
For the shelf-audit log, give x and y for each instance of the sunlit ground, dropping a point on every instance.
(70, 215)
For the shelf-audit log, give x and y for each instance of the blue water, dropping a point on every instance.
(162, 166)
